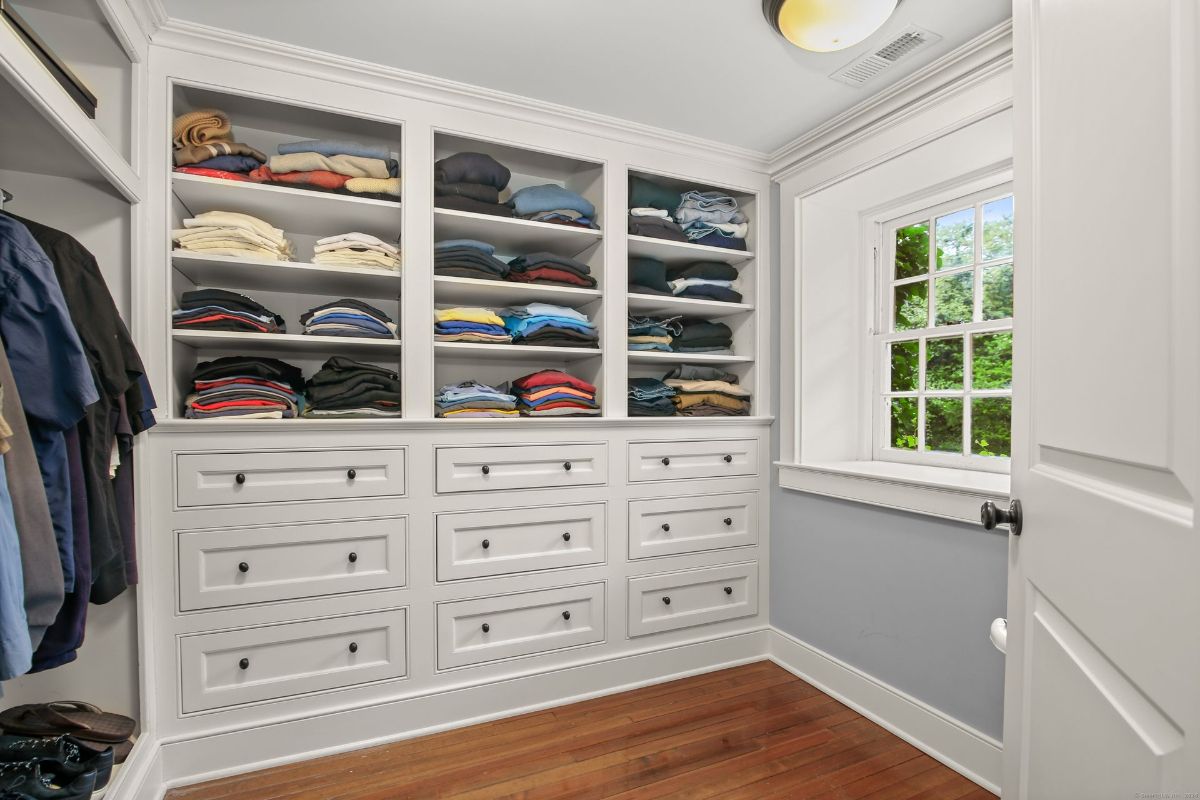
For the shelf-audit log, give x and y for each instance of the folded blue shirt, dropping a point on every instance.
(550, 197)
(358, 320)
(231, 163)
(473, 244)
(335, 147)
(460, 326)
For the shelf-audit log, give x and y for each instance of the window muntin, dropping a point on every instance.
(944, 349)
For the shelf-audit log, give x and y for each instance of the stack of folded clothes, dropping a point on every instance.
(650, 397)
(332, 165)
(543, 267)
(357, 250)
(468, 258)
(471, 182)
(712, 219)
(656, 227)
(245, 386)
(650, 208)
(551, 393)
(347, 388)
(203, 144)
(553, 203)
(702, 336)
(555, 326)
(707, 392)
(347, 317)
(480, 325)
(706, 280)
(221, 310)
(648, 276)
(474, 399)
(227, 233)
(649, 333)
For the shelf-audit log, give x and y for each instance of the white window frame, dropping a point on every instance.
(881, 334)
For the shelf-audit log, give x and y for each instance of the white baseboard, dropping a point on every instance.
(965, 750)
(234, 752)
(141, 776)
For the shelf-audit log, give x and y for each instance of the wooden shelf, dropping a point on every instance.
(493, 294)
(684, 252)
(230, 342)
(656, 305)
(294, 210)
(286, 276)
(512, 352)
(657, 356)
(513, 236)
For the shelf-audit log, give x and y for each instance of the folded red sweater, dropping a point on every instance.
(317, 177)
(553, 377)
(552, 274)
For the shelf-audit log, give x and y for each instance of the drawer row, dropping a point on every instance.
(242, 478)
(228, 567)
(236, 667)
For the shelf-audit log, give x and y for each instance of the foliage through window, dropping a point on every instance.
(945, 334)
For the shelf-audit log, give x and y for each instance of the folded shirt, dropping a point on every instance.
(698, 230)
(321, 178)
(475, 191)
(680, 285)
(716, 239)
(200, 127)
(230, 163)
(469, 244)
(552, 377)
(467, 314)
(654, 326)
(648, 194)
(722, 294)
(656, 228)
(550, 274)
(472, 168)
(708, 270)
(550, 197)
(351, 166)
(706, 386)
(648, 272)
(194, 154)
(649, 389)
(707, 207)
(459, 203)
(543, 259)
(335, 147)
(388, 186)
(650, 212)
(356, 239)
(697, 372)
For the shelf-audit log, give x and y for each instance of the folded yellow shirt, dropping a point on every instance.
(484, 316)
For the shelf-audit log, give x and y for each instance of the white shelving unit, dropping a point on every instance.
(659, 357)
(241, 273)
(684, 252)
(511, 235)
(513, 352)
(652, 305)
(300, 345)
(472, 292)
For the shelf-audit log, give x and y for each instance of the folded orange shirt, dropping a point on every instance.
(317, 177)
(538, 395)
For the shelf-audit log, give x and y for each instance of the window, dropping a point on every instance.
(943, 340)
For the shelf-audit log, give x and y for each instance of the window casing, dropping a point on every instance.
(942, 334)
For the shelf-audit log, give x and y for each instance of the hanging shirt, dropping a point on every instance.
(16, 649)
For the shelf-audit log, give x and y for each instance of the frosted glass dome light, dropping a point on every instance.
(824, 26)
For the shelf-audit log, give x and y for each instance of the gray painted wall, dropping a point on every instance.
(905, 598)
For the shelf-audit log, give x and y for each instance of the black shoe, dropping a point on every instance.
(37, 781)
(74, 757)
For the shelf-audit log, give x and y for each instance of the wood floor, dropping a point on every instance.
(754, 732)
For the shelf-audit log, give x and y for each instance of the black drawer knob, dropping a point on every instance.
(666, 526)
(486, 544)
(728, 459)
(666, 601)
(485, 469)
(729, 520)
(240, 478)
(351, 473)
(567, 536)
(728, 590)
(486, 627)
(244, 664)
(354, 647)
(567, 466)
(566, 615)
(243, 567)
(666, 462)
(352, 557)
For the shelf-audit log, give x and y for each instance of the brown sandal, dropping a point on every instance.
(81, 720)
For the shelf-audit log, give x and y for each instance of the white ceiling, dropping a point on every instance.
(708, 68)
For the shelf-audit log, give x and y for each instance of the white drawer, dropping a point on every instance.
(715, 458)
(474, 544)
(235, 566)
(215, 479)
(675, 525)
(266, 663)
(660, 603)
(491, 628)
(504, 467)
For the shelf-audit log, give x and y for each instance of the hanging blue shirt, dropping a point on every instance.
(16, 649)
(49, 366)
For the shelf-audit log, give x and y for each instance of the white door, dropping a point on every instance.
(1102, 696)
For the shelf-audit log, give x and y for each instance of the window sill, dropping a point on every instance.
(954, 494)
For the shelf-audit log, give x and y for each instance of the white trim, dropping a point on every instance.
(140, 777)
(954, 494)
(967, 751)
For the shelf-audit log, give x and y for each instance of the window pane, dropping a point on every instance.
(944, 363)
(991, 361)
(955, 239)
(906, 361)
(955, 301)
(998, 292)
(944, 424)
(998, 229)
(912, 251)
(912, 306)
(904, 423)
(991, 426)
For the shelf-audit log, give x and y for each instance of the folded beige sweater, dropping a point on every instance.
(374, 185)
(200, 127)
(354, 166)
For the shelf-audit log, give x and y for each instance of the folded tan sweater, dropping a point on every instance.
(374, 185)
(200, 127)
(353, 166)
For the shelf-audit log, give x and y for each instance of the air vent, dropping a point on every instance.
(909, 41)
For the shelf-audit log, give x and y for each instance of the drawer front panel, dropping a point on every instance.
(235, 566)
(718, 458)
(504, 467)
(215, 479)
(491, 628)
(253, 664)
(475, 544)
(660, 603)
(676, 525)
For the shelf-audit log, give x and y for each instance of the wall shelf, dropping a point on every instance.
(657, 356)
(512, 352)
(513, 236)
(298, 345)
(469, 291)
(656, 305)
(684, 252)
(239, 273)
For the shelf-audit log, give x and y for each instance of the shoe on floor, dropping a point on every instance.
(72, 756)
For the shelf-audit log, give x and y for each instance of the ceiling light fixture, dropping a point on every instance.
(824, 26)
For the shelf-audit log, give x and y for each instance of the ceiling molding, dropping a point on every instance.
(150, 15)
(974, 61)
(241, 48)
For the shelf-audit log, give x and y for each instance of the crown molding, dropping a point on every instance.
(151, 15)
(978, 59)
(258, 51)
